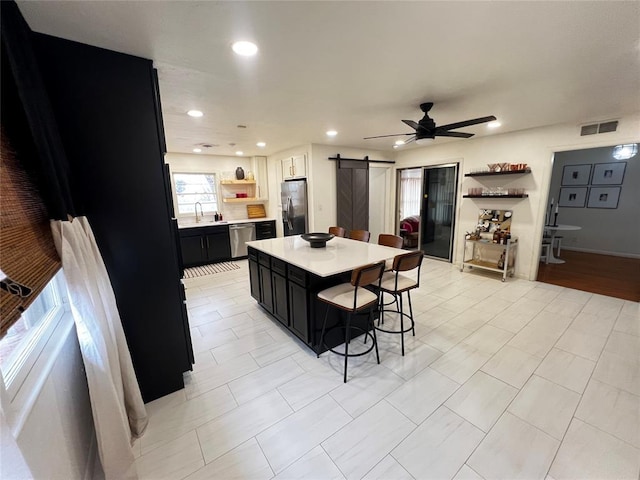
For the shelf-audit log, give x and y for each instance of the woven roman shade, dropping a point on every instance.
(28, 257)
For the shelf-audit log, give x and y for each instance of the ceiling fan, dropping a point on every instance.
(426, 129)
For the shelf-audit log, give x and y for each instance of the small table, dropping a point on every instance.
(554, 229)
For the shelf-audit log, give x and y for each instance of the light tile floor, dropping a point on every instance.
(502, 380)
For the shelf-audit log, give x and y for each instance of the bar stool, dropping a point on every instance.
(353, 298)
(395, 283)
(389, 240)
(361, 235)
(338, 231)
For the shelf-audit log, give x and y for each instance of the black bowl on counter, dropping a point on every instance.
(317, 240)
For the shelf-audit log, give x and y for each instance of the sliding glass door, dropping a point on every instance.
(409, 195)
(439, 186)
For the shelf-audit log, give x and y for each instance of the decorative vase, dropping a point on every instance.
(239, 173)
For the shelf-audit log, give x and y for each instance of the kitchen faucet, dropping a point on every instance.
(198, 218)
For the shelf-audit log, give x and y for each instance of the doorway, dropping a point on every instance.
(439, 186)
(378, 200)
(593, 197)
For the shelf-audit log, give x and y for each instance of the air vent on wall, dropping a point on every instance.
(604, 127)
(608, 127)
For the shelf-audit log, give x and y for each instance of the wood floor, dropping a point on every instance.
(604, 274)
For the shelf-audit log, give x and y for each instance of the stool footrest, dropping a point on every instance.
(411, 327)
(357, 329)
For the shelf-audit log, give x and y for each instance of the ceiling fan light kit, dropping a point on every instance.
(426, 129)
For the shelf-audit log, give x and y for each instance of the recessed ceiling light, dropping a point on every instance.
(197, 150)
(195, 113)
(261, 144)
(246, 49)
(332, 133)
(399, 142)
(494, 124)
(239, 152)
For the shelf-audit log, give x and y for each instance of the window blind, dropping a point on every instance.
(28, 257)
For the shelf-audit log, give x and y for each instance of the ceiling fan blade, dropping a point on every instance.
(383, 136)
(412, 124)
(412, 139)
(446, 133)
(467, 123)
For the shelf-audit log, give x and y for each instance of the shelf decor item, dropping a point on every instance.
(608, 173)
(491, 220)
(317, 240)
(239, 173)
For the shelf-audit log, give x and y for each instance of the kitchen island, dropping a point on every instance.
(286, 274)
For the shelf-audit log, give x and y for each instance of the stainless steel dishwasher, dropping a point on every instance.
(239, 234)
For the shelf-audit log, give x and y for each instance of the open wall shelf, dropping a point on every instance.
(524, 195)
(486, 174)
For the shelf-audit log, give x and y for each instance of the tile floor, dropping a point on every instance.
(502, 380)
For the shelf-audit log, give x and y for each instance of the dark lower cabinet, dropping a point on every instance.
(254, 277)
(192, 248)
(266, 294)
(298, 310)
(218, 245)
(280, 304)
(266, 229)
(202, 245)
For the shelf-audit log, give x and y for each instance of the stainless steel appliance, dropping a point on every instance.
(239, 234)
(293, 194)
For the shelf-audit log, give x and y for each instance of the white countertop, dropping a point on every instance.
(340, 254)
(208, 222)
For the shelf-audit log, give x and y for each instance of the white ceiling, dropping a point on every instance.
(360, 67)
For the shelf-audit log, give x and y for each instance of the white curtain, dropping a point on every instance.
(119, 413)
(410, 192)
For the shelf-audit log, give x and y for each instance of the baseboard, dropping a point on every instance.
(602, 252)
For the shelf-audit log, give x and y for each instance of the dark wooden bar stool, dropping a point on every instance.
(338, 231)
(362, 235)
(395, 283)
(389, 240)
(353, 298)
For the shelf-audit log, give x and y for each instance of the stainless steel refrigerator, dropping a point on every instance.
(293, 194)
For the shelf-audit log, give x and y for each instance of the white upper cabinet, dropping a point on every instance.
(294, 167)
(259, 166)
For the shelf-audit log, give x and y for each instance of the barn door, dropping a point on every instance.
(353, 194)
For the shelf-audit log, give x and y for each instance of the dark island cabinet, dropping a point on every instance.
(254, 276)
(298, 310)
(202, 245)
(281, 289)
(266, 297)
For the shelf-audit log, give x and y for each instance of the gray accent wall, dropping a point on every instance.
(607, 231)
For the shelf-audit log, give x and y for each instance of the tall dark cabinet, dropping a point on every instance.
(107, 108)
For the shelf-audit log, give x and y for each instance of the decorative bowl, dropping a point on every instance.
(317, 240)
